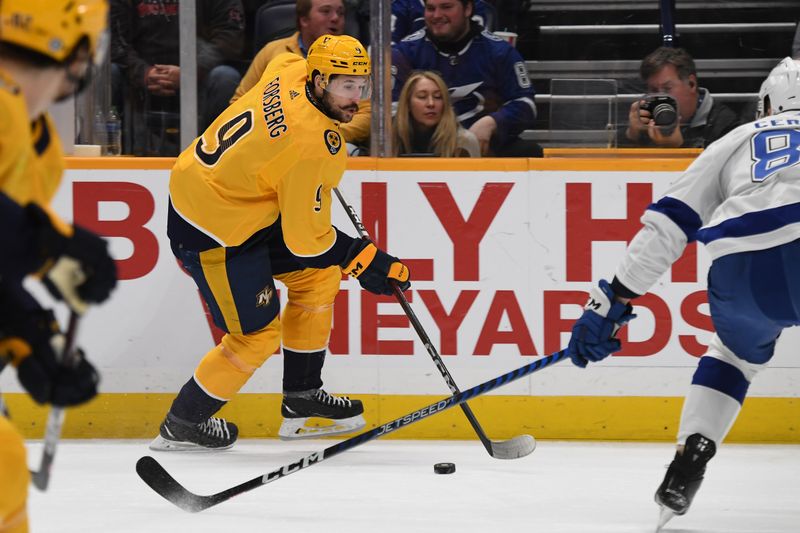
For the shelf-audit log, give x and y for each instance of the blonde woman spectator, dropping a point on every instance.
(425, 122)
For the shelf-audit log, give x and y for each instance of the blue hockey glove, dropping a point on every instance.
(593, 333)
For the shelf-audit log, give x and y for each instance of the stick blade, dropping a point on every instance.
(164, 484)
(41, 479)
(515, 448)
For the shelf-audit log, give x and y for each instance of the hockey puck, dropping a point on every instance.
(444, 468)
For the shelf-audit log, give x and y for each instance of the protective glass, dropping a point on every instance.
(101, 50)
(353, 87)
(79, 83)
(760, 111)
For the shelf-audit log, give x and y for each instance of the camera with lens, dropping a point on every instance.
(664, 110)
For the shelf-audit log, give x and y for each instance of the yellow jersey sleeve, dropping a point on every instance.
(49, 154)
(15, 139)
(304, 175)
(304, 199)
(31, 158)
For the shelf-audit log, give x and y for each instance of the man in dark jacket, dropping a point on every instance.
(701, 120)
(145, 53)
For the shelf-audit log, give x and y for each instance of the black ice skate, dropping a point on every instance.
(344, 414)
(683, 478)
(178, 435)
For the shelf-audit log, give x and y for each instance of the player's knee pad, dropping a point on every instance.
(227, 367)
(308, 314)
(721, 370)
(718, 350)
(15, 479)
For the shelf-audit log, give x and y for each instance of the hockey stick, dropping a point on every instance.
(514, 448)
(55, 420)
(164, 484)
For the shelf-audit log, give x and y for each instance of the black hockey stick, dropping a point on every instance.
(163, 483)
(514, 448)
(55, 420)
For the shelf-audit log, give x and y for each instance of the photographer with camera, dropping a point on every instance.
(676, 112)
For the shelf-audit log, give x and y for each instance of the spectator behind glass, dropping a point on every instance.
(425, 122)
(314, 19)
(145, 50)
(702, 121)
(408, 16)
(492, 95)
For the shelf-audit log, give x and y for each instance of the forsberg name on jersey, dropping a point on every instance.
(272, 107)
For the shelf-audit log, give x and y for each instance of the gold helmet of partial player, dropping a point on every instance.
(338, 55)
(54, 27)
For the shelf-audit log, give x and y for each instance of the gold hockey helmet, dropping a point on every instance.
(54, 27)
(337, 54)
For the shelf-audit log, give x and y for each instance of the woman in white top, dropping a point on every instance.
(425, 122)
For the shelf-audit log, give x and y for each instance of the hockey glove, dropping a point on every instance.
(77, 269)
(33, 344)
(593, 333)
(374, 268)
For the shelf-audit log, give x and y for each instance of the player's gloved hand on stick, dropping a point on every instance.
(77, 269)
(374, 268)
(593, 333)
(33, 344)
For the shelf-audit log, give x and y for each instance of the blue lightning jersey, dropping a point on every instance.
(486, 77)
(408, 16)
(741, 194)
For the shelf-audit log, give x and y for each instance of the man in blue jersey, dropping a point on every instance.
(489, 86)
(741, 198)
(408, 16)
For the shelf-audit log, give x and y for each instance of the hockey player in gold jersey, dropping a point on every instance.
(250, 202)
(46, 48)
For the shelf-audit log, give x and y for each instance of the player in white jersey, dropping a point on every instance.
(741, 198)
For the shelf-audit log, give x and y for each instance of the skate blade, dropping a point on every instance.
(160, 444)
(665, 515)
(296, 428)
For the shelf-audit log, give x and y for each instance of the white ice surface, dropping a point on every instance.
(389, 486)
